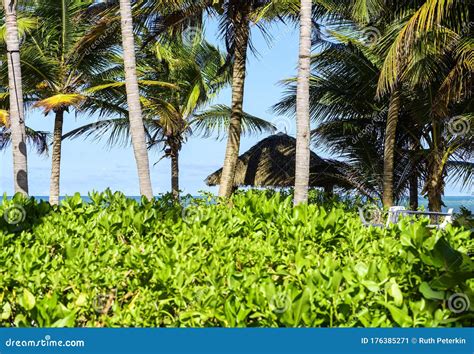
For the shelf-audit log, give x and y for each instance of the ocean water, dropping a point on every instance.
(454, 202)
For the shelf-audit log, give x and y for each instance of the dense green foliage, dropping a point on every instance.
(255, 262)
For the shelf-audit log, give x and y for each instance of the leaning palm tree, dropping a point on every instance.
(17, 117)
(137, 131)
(235, 18)
(302, 106)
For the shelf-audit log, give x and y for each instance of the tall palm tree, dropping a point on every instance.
(302, 105)
(17, 116)
(60, 60)
(235, 27)
(137, 130)
(235, 19)
(239, 16)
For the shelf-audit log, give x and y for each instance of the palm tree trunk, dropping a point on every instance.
(175, 174)
(434, 187)
(302, 106)
(389, 149)
(436, 170)
(435, 183)
(413, 191)
(137, 130)
(435, 202)
(242, 33)
(17, 118)
(413, 180)
(56, 158)
(329, 191)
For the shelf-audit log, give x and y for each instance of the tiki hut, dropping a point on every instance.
(271, 163)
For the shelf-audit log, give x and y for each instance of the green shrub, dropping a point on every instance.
(255, 261)
(464, 218)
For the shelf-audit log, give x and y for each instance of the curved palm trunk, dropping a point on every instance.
(242, 33)
(302, 106)
(17, 118)
(56, 158)
(137, 130)
(389, 149)
(175, 174)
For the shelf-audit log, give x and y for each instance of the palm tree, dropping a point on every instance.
(302, 105)
(437, 34)
(235, 27)
(235, 18)
(60, 60)
(17, 117)
(137, 131)
(239, 17)
(176, 80)
(389, 149)
(352, 122)
(407, 27)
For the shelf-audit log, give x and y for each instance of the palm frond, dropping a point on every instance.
(60, 101)
(216, 119)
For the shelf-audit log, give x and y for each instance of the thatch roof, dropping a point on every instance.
(271, 163)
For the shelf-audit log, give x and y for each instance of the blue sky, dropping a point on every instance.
(89, 165)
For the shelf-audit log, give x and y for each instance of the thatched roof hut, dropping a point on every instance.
(271, 163)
